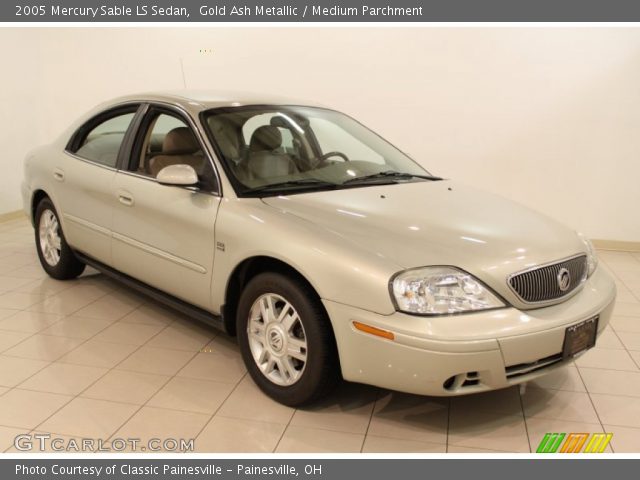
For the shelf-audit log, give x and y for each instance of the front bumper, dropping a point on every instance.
(460, 354)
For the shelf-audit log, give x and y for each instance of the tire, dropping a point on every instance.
(304, 328)
(56, 257)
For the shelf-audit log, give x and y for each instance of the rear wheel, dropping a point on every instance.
(56, 257)
(286, 340)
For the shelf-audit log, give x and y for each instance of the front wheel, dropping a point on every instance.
(56, 257)
(286, 340)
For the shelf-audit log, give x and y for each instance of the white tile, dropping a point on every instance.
(77, 327)
(63, 378)
(348, 409)
(126, 387)
(151, 422)
(563, 378)
(631, 340)
(112, 306)
(7, 312)
(8, 435)
(248, 402)
(99, 354)
(617, 410)
(315, 440)
(626, 324)
(44, 347)
(488, 430)
(627, 309)
(410, 417)
(70, 300)
(19, 301)
(191, 395)
(611, 382)
(8, 283)
(160, 361)
(151, 314)
(505, 401)
(45, 286)
(9, 339)
(607, 358)
(128, 333)
(26, 409)
(609, 339)
(30, 322)
(625, 439)
(87, 417)
(183, 336)
(14, 370)
(215, 367)
(238, 435)
(484, 451)
(373, 444)
(558, 404)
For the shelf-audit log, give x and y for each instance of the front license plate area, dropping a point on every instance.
(580, 337)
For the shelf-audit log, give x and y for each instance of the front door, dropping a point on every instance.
(164, 235)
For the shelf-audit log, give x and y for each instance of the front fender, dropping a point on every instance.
(337, 268)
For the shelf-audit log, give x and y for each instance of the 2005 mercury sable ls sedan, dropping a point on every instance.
(329, 252)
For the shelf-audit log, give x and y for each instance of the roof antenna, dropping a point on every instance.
(184, 80)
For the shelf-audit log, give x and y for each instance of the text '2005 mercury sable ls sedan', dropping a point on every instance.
(326, 250)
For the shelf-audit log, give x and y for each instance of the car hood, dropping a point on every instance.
(438, 223)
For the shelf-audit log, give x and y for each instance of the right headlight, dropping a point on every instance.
(441, 291)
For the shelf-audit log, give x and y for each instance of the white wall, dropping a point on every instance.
(549, 117)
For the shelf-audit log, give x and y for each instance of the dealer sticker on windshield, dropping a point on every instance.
(580, 337)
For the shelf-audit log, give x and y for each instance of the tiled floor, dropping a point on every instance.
(87, 358)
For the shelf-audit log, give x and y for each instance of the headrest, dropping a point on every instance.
(178, 140)
(266, 138)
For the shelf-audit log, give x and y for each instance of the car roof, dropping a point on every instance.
(206, 99)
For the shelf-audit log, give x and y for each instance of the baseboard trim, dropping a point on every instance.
(6, 217)
(616, 245)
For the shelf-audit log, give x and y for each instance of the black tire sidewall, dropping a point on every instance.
(321, 369)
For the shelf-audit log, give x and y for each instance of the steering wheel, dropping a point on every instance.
(323, 158)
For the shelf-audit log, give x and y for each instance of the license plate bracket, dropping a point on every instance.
(580, 337)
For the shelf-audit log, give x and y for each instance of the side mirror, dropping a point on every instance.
(177, 175)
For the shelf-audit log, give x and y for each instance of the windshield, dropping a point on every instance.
(275, 149)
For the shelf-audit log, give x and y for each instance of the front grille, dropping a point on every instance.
(541, 283)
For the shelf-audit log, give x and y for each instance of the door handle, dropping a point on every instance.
(125, 198)
(58, 175)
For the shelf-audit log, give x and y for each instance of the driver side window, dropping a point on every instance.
(168, 140)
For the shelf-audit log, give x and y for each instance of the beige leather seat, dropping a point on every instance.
(179, 147)
(263, 161)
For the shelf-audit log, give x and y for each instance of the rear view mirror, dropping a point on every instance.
(177, 175)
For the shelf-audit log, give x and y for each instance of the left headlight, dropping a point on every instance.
(592, 257)
(440, 291)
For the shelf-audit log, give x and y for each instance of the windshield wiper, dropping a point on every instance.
(292, 184)
(389, 175)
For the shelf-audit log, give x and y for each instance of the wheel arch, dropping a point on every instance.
(244, 272)
(37, 196)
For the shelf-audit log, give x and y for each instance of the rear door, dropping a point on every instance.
(85, 174)
(164, 235)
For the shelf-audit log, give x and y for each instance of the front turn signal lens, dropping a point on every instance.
(378, 332)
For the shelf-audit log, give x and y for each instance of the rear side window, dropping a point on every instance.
(102, 143)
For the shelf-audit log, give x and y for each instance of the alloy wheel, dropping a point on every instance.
(277, 339)
(49, 235)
